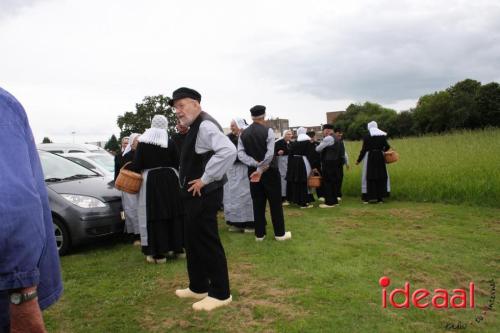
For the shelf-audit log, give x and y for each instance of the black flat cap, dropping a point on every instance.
(327, 126)
(258, 110)
(184, 93)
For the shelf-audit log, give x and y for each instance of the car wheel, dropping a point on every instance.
(61, 233)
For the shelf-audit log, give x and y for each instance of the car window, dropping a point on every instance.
(76, 151)
(57, 167)
(82, 162)
(55, 151)
(106, 161)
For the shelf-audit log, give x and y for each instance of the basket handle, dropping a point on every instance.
(316, 172)
(125, 165)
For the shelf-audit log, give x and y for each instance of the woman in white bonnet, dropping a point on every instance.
(281, 150)
(238, 206)
(375, 182)
(301, 156)
(160, 208)
(130, 201)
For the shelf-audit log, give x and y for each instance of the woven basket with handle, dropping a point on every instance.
(314, 180)
(391, 156)
(128, 181)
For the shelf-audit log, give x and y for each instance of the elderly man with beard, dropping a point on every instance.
(206, 156)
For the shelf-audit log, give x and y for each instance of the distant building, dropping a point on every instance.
(278, 125)
(97, 143)
(332, 116)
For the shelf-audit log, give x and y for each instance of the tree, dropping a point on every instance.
(113, 144)
(463, 113)
(433, 112)
(46, 140)
(354, 121)
(404, 124)
(140, 120)
(488, 104)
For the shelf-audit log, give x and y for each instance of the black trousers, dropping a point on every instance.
(341, 179)
(206, 259)
(268, 188)
(331, 181)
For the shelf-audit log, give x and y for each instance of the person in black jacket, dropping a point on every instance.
(180, 135)
(329, 151)
(118, 156)
(375, 184)
(344, 160)
(281, 150)
(301, 162)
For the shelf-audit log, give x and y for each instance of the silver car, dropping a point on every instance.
(84, 205)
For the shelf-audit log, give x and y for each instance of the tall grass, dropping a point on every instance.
(461, 167)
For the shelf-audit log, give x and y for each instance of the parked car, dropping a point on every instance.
(84, 205)
(64, 148)
(103, 164)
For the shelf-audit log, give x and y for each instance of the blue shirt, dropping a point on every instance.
(28, 252)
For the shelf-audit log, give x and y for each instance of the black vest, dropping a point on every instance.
(192, 165)
(331, 153)
(254, 139)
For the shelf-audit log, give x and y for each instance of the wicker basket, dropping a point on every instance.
(314, 180)
(391, 156)
(128, 181)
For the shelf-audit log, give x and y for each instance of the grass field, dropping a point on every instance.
(324, 280)
(463, 167)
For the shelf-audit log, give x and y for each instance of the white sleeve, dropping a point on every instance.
(328, 141)
(210, 138)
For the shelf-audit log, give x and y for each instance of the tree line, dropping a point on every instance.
(466, 105)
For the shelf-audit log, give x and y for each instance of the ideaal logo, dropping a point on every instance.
(440, 298)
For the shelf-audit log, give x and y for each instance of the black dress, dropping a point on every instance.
(297, 191)
(164, 209)
(121, 160)
(118, 163)
(375, 180)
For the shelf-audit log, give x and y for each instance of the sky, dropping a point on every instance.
(77, 65)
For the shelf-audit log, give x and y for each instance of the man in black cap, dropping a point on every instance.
(339, 137)
(329, 150)
(205, 157)
(315, 163)
(256, 150)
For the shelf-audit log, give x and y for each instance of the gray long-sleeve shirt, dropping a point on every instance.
(329, 141)
(268, 158)
(210, 138)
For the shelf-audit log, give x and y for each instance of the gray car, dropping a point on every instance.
(84, 205)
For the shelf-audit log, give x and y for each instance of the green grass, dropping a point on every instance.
(462, 167)
(324, 280)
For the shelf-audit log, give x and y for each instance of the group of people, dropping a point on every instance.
(297, 159)
(187, 178)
